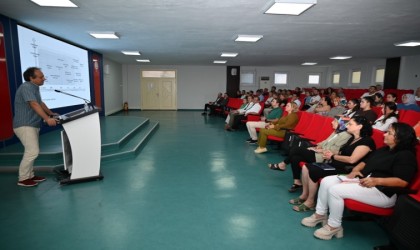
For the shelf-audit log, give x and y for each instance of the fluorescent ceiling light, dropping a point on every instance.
(104, 35)
(248, 38)
(290, 7)
(55, 3)
(340, 57)
(217, 61)
(131, 53)
(309, 63)
(143, 60)
(229, 54)
(408, 44)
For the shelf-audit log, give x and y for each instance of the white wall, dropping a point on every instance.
(199, 84)
(196, 85)
(112, 86)
(409, 77)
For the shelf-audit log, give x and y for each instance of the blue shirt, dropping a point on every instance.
(24, 114)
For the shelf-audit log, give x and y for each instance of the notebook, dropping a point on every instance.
(324, 166)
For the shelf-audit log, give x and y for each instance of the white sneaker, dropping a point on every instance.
(326, 233)
(312, 220)
(260, 150)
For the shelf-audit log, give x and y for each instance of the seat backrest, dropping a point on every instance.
(415, 184)
(304, 120)
(410, 117)
(378, 138)
(314, 126)
(325, 131)
(378, 111)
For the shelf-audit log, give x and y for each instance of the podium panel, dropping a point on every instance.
(81, 141)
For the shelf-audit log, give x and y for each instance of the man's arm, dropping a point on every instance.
(43, 112)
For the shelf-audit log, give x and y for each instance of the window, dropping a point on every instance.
(280, 78)
(247, 78)
(356, 76)
(314, 78)
(336, 78)
(158, 73)
(379, 75)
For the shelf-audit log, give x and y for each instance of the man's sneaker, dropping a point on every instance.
(253, 141)
(38, 178)
(249, 140)
(27, 183)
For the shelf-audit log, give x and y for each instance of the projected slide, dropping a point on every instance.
(65, 67)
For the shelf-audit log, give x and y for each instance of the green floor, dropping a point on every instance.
(193, 186)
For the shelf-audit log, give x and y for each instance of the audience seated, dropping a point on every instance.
(299, 154)
(379, 90)
(389, 116)
(366, 105)
(418, 94)
(391, 97)
(378, 99)
(272, 117)
(279, 128)
(387, 170)
(409, 103)
(217, 102)
(315, 98)
(353, 106)
(323, 107)
(371, 92)
(338, 108)
(236, 116)
(354, 151)
(246, 105)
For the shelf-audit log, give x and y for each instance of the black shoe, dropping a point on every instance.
(249, 140)
(253, 142)
(204, 113)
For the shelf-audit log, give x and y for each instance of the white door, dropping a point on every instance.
(158, 90)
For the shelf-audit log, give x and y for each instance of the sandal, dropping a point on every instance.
(294, 188)
(303, 208)
(275, 166)
(297, 201)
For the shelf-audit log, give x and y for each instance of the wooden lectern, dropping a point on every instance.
(81, 141)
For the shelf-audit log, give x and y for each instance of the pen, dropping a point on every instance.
(369, 175)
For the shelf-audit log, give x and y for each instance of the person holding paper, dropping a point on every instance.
(350, 154)
(386, 170)
(311, 154)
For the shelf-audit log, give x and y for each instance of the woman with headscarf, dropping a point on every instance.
(409, 103)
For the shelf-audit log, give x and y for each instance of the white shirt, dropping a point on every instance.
(315, 99)
(384, 126)
(254, 109)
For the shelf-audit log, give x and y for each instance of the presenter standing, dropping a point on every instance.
(30, 110)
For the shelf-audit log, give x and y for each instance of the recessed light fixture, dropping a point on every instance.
(131, 53)
(340, 57)
(229, 54)
(104, 35)
(309, 63)
(219, 61)
(55, 3)
(408, 43)
(248, 38)
(290, 7)
(143, 60)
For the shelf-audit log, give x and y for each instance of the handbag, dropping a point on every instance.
(293, 140)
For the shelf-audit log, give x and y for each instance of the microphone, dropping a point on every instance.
(87, 102)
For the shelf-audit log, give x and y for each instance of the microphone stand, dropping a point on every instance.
(88, 103)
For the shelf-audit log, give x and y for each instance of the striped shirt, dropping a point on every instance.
(24, 114)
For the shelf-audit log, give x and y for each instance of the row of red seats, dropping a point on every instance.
(312, 127)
